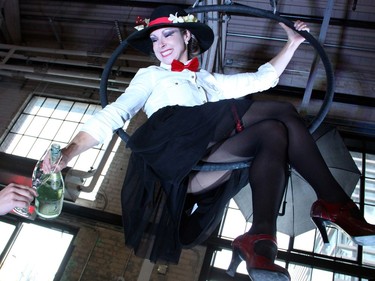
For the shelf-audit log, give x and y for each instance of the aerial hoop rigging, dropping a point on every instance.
(240, 10)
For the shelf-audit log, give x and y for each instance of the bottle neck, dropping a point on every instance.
(55, 153)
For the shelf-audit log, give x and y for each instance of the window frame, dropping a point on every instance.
(104, 152)
(53, 225)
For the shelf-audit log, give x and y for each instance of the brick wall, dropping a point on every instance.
(100, 255)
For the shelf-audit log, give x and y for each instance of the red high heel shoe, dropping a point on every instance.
(345, 216)
(260, 268)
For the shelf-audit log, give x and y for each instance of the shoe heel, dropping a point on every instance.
(319, 222)
(236, 260)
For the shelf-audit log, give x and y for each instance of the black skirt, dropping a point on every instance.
(156, 209)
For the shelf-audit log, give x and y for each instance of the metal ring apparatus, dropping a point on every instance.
(240, 10)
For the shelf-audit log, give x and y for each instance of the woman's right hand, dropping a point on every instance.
(48, 167)
(80, 143)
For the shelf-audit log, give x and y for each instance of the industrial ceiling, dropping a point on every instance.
(69, 42)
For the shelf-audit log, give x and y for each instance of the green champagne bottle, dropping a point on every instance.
(50, 187)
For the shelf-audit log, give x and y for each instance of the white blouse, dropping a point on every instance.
(156, 87)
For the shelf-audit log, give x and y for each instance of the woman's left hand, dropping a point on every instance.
(295, 37)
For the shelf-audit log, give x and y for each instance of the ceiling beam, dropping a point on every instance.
(10, 24)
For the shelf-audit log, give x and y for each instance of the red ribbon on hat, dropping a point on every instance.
(159, 21)
(178, 66)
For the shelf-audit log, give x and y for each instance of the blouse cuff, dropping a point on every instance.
(97, 131)
(270, 71)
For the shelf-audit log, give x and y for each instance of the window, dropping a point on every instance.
(30, 251)
(49, 119)
(35, 252)
(6, 231)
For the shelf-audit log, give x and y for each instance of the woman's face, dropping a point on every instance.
(169, 43)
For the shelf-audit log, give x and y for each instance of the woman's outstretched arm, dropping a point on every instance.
(281, 60)
(80, 143)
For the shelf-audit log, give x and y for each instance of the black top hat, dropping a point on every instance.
(175, 16)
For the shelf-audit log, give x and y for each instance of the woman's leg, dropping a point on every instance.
(265, 143)
(303, 154)
(334, 206)
(268, 170)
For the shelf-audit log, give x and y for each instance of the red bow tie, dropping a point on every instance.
(193, 65)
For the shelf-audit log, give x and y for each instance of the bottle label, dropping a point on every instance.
(55, 182)
(49, 201)
(48, 209)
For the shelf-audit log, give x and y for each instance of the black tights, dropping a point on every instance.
(274, 136)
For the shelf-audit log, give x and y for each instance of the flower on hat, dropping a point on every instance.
(190, 18)
(181, 19)
(142, 23)
(175, 19)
